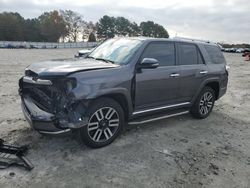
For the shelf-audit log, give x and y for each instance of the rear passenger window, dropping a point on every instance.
(187, 54)
(215, 54)
(162, 51)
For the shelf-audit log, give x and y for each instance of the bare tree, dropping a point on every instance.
(75, 23)
(90, 28)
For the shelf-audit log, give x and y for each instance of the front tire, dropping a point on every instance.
(204, 103)
(106, 120)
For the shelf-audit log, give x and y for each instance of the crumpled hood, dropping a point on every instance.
(67, 66)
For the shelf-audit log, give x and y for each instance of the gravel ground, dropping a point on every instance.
(177, 152)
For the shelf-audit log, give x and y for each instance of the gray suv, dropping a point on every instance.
(123, 81)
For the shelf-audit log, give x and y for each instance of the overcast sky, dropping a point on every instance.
(216, 20)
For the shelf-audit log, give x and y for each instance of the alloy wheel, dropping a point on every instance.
(206, 103)
(103, 124)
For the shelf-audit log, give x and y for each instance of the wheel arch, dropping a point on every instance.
(213, 83)
(122, 100)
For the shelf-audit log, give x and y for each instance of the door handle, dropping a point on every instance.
(204, 72)
(174, 75)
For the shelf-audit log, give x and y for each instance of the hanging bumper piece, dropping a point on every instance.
(14, 156)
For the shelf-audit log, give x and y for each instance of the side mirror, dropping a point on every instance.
(149, 63)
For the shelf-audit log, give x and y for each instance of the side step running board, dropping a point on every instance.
(56, 132)
(157, 118)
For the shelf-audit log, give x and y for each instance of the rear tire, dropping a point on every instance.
(204, 103)
(106, 120)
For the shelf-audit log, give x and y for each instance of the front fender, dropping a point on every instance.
(106, 82)
(90, 93)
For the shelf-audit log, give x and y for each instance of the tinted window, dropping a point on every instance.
(215, 54)
(187, 54)
(162, 51)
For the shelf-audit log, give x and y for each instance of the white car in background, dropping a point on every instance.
(240, 50)
(83, 53)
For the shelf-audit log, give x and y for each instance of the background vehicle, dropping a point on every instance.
(240, 50)
(232, 50)
(123, 81)
(83, 53)
(246, 51)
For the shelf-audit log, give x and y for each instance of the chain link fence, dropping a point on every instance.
(46, 45)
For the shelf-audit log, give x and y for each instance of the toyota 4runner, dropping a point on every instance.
(123, 81)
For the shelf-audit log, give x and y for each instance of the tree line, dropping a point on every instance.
(235, 45)
(69, 26)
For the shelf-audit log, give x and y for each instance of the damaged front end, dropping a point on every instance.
(49, 104)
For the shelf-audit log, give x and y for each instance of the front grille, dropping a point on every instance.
(43, 99)
(41, 95)
(50, 98)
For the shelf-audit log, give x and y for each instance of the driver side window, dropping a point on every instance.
(164, 52)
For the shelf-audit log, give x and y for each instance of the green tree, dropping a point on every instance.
(151, 29)
(106, 27)
(11, 26)
(122, 26)
(92, 37)
(75, 23)
(32, 30)
(53, 26)
(135, 30)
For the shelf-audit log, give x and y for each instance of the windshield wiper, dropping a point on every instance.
(101, 59)
(106, 60)
(90, 57)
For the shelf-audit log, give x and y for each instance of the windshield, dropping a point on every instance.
(117, 51)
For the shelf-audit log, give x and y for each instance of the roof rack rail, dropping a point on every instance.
(190, 39)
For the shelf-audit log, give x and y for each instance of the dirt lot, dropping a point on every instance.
(177, 152)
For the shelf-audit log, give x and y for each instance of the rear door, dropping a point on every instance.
(193, 70)
(159, 86)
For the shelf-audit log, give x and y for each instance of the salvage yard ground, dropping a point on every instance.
(177, 152)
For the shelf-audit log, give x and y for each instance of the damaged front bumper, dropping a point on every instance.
(38, 119)
(57, 121)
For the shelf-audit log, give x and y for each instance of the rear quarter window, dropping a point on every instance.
(215, 54)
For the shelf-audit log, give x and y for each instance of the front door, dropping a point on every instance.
(160, 86)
